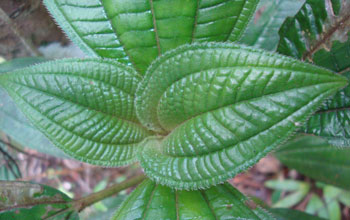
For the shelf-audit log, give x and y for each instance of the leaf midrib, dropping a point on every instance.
(239, 102)
(178, 156)
(217, 68)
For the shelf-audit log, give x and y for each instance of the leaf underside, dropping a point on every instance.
(137, 31)
(153, 201)
(85, 107)
(315, 158)
(319, 33)
(24, 200)
(221, 107)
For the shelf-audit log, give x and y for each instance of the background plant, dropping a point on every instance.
(169, 99)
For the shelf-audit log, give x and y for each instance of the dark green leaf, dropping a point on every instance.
(221, 108)
(332, 121)
(314, 28)
(23, 200)
(12, 120)
(262, 31)
(290, 214)
(315, 158)
(85, 107)
(137, 31)
(319, 33)
(150, 201)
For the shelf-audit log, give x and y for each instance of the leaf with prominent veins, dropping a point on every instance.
(138, 31)
(223, 107)
(152, 201)
(87, 25)
(85, 107)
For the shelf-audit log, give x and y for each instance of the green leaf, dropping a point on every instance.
(85, 107)
(137, 31)
(12, 120)
(222, 108)
(331, 195)
(324, 162)
(332, 121)
(287, 185)
(153, 201)
(290, 214)
(24, 200)
(344, 198)
(317, 207)
(319, 33)
(299, 189)
(315, 27)
(262, 31)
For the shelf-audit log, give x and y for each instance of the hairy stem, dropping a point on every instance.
(84, 202)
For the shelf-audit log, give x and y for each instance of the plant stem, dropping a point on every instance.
(84, 202)
(25, 42)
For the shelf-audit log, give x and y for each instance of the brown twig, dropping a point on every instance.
(84, 202)
(26, 43)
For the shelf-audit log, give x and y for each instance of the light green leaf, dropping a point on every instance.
(152, 201)
(221, 107)
(286, 185)
(315, 158)
(317, 207)
(24, 200)
(12, 120)
(137, 31)
(262, 31)
(344, 198)
(331, 195)
(299, 189)
(85, 107)
(290, 214)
